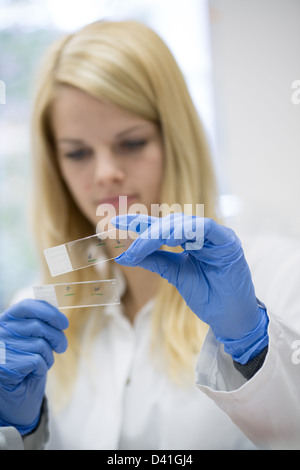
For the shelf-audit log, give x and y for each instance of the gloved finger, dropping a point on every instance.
(19, 365)
(217, 234)
(32, 346)
(159, 228)
(25, 329)
(172, 230)
(183, 227)
(137, 223)
(40, 310)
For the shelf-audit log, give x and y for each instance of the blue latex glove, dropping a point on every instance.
(30, 330)
(211, 274)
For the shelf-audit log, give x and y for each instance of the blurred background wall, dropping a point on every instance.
(255, 46)
(240, 59)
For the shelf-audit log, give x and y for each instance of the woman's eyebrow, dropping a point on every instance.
(72, 141)
(130, 129)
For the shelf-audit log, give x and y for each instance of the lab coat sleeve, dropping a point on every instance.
(267, 407)
(10, 439)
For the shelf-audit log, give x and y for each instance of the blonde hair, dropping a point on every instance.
(127, 64)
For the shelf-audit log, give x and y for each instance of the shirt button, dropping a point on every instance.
(128, 381)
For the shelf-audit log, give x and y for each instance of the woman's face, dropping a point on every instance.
(105, 152)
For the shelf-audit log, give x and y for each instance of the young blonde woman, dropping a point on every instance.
(113, 117)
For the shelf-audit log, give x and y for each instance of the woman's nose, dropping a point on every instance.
(107, 168)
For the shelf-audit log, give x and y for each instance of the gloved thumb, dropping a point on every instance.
(164, 263)
(137, 223)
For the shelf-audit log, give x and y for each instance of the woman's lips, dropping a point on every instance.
(115, 200)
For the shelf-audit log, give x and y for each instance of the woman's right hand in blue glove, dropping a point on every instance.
(211, 275)
(30, 330)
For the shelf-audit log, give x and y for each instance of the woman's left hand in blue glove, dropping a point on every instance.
(211, 274)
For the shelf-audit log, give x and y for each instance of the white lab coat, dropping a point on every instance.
(120, 401)
(125, 403)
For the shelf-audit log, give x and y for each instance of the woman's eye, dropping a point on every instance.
(129, 145)
(78, 154)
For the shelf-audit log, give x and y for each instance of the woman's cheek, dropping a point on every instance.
(87, 187)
